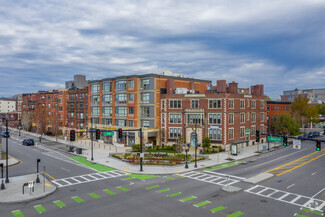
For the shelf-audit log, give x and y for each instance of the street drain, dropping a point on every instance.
(263, 201)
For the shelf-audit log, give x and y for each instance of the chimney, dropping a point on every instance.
(192, 85)
(170, 86)
(233, 87)
(257, 90)
(221, 86)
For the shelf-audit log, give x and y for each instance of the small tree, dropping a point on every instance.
(180, 144)
(206, 142)
(284, 124)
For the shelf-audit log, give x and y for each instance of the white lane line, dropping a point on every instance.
(224, 175)
(291, 185)
(318, 193)
(314, 173)
(65, 169)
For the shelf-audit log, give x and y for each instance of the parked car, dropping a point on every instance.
(5, 134)
(302, 138)
(310, 135)
(316, 134)
(28, 142)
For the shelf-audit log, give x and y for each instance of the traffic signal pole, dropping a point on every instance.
(7, 176)
(141, 169)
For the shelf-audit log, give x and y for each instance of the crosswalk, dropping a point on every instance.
(287, 197)
(211, 177)
(75, 180)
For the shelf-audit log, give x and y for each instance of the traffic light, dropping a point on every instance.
(72, 135)
(285, 140)
(3, 119)
(120, 133)
(97, 134)
(318, 146)
(257, 135)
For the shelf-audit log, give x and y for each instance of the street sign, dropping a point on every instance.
(30, 184)
(247, 130)
(296, 144)
(108, 133)
(274, 139)
(109, 128)
(214, 127)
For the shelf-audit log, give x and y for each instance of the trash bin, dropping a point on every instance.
(79, 150)
(264, 147)
(71, 148)
(40, 139)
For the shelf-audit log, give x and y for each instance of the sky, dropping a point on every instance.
(280, 44)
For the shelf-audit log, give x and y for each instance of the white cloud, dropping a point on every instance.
(52, 85)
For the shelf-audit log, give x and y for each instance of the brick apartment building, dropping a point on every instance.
(77, 108)
(131, 102)
(275, 108)
(222, 113)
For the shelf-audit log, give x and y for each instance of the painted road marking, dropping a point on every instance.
(314, 173)
(122, 188)
(167, 177)
(163, 190)
(312, 211)
(235, 214)
(87, 178)
(299, 215)
(291, 185)
(40, 208)
(78, 199)
(294, 199)
(94, 195)
(59, 203)
(187, 199)
(203, 203)
(48, 185)
(218, 209)
(17, 213)
(109, 192)
(209, 178)
(127, 178)
(154, 186)
(49, 176)
(174, 194)
(127, 171)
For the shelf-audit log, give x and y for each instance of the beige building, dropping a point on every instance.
(7, 105)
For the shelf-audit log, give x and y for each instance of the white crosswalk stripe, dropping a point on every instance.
(210, 178)
(75, 180)
(288, 197)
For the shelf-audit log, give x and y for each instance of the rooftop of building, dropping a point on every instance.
(278, 102)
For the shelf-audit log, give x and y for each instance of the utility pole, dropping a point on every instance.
(268, 132)
(7, 176)
(141, 169)
(92, 139)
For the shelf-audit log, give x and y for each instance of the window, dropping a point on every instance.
(146, 123)
(262, 129)
(94, 111)
(175, 118)
(231, 133)
(231, 118)
(72, 115)
(214, 118)
(95, 88)
(49, 98)
(175, 132)
(131, 97)
(253, 116)
(145, 84)
(131, 110)
(253, 131)
(120, 98)
(175, 103)
(49, 105)
(81, 115)
(145, 98)
(131, 123)
(120, 122)
(268, 108)
(95, 120)
(248, 114)
(60, 117)
(242, 132)
(107, 86)
(231, 103)
(262, 116)
(215, 134)
(242, 103)
(131, 84)
(107, 121)
(107, 111)
(121, 86)
(194, 118)
(120, 111)
(262, 104)
(253, 104)
(215, 103)
(107, 99)
(145, 111)
(242, 117)
(195, 103)
(95, 100)
(49, 114)
(81, 105)
(60, 108)
(248, 103)
(60, 101)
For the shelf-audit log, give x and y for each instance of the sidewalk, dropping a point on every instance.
(11, 161)
(102, 157)
(13, 190)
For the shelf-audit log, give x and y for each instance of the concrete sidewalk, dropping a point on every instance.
(11, 161)
(13, 190)
(102, 157)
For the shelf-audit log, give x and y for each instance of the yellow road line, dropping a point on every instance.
(291, 162)
(49, 176)
(127, 171)
(300, 165)
(180, 171)
(16, 159)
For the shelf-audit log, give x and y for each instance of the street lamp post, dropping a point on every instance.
(7, 133)
(92, 139)
(141, 158)
(268, 132)
(19, 126)
(186, 150)
(2, 184)
(37, 179)
(195, 165)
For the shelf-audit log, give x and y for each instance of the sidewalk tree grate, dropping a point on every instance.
(17, 213)
(163, 190)
(78, 199)
(235, 214)
(109, 192)
(154, 186)
(39, 208)
(174, 194)
(218, 209)
(122, 188)
(170, 178)
(187, 199)
(59, 203)
(94, 195)
(202, 203)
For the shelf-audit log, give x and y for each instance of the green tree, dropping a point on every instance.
(206, 142)
(320, 109)
(180, 144)
(284, 124)
(303, 112)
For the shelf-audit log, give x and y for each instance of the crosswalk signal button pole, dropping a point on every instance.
(318, 146)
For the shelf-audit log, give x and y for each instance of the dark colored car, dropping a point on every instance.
(5, 134)
(316, 134)
(302, 138)
(310, 135)
(28, 142)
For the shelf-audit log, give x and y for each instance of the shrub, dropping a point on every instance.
(136, 147)
(206, 142)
